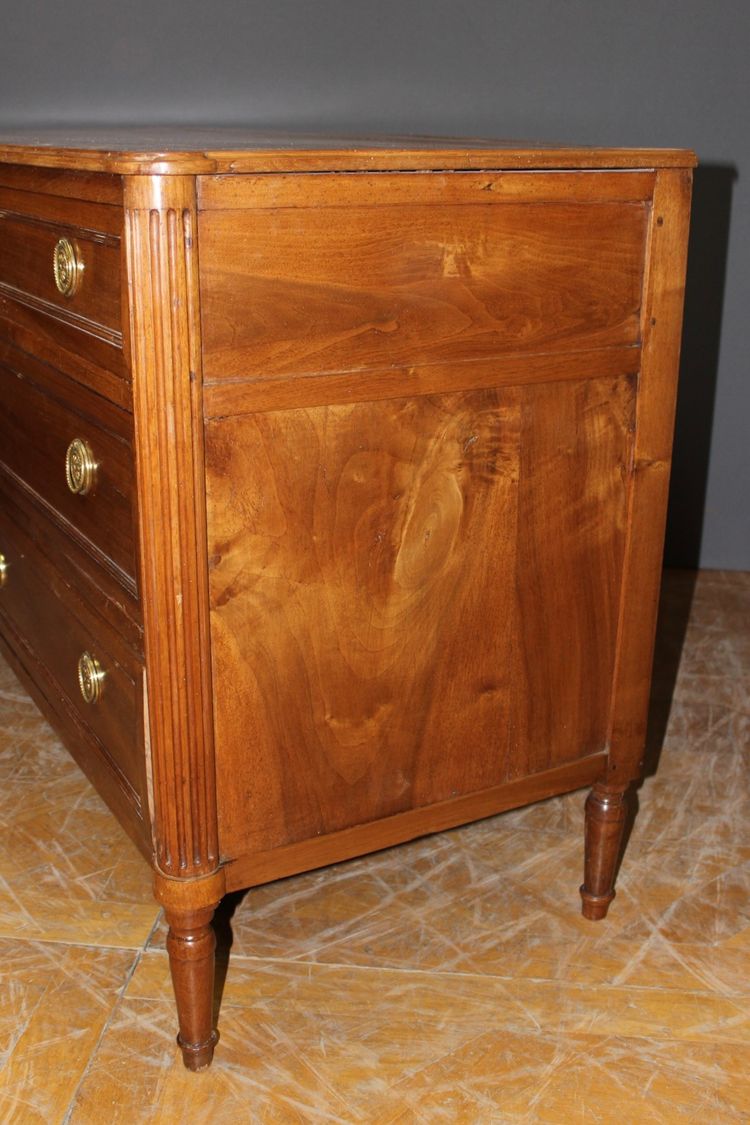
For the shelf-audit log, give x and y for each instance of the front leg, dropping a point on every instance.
(606, 813)
(191, 943)
(189, 906)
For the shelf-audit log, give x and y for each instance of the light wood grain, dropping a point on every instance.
(228, 193)
(384, 286)
(282, 392)
(382, 584)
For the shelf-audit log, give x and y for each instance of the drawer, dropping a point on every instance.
(55, 437)
(321, 274)
(43, 612)
(70, 272)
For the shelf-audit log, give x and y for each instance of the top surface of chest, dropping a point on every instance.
(216, 150)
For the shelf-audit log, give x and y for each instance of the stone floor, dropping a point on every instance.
(449, 980)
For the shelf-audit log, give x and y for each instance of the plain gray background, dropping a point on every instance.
(645, 72)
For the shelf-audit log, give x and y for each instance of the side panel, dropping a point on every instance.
(411, 599)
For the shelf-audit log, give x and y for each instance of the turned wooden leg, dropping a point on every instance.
(606, 812)
(191, 944)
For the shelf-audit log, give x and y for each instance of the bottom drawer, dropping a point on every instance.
(97, 675)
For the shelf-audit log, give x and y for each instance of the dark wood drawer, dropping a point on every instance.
(316, 274)
(39, 429)
(44, 614)
(29, 245)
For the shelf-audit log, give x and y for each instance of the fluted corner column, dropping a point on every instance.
(165, 353)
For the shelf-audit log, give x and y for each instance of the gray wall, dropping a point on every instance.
(646, 72)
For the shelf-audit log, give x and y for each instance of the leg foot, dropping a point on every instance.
(191, 944)
(606, 812)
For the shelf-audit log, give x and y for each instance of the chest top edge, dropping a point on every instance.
(189, 151)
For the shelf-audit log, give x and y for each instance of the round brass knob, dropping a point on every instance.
(90, 678)
(3, 571)
(80, 467)
(67, 266)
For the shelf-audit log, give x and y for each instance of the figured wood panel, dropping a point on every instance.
(373, 599)
(323, 290)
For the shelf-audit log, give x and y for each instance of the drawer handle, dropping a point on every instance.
(90, 678)
(3, 571)
(67, 266)
(80, 467)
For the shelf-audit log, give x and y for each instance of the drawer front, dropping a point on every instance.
(34, 251)
(313, 277)
(46, 440)
(44, 612)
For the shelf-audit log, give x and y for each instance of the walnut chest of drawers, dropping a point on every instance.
(332, 488)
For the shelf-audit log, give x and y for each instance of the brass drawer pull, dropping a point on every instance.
(67, 266)
(3, 571)
(80, 467)
(90, 678)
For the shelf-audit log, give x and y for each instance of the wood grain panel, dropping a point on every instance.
(575, 461)
(377, 609)
(251, 396)
(384, 189)
(313, 290)
(345, 543)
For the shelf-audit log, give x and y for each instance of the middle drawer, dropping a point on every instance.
(74, 451)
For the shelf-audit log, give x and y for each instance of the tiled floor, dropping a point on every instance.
(451, 980)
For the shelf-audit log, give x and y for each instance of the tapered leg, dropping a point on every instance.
(606, 812)
(191, 944)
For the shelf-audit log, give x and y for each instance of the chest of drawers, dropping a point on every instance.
(332, 489)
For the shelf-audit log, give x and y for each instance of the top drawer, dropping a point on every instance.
(318, 273)
(62, 257)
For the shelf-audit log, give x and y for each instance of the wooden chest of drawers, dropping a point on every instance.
(332, 489)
